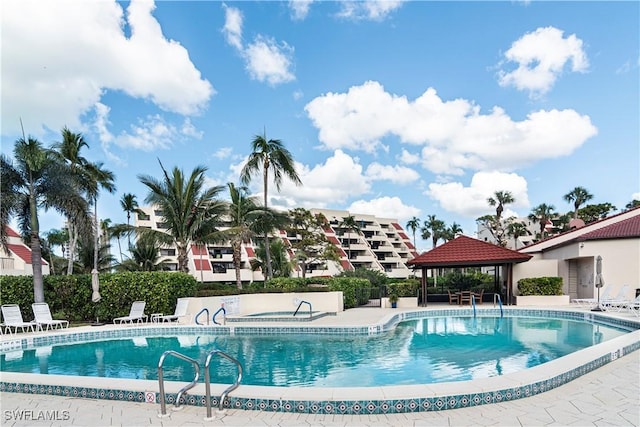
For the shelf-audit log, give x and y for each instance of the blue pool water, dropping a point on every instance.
(420, 351)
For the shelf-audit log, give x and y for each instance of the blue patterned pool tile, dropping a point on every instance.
(288, 405)
(302, 406)
(342, 407)
(440, 403)
(413, 405)
(384, 408)
(476, 399)
(357, 408)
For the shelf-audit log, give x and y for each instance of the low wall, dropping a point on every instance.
(403, 302)
(240, 305)
(542, 300)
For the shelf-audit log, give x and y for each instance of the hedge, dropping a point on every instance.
(540, 286)
(69, 297)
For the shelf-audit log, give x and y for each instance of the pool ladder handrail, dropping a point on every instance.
(183, 390)
(198, 315)
(473, 304)
(300, 305)
(207, 381)
(497, 297)
(224, 316)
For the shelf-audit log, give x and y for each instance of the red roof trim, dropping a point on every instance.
(23, 252)
(396, 226)
(202, 264)
(11, 232)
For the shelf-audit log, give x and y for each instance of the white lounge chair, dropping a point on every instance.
(136, 314)
(13, 319)
(181, 311)
(634, 306)
(43, 319)
(617, 302)
(592, 302)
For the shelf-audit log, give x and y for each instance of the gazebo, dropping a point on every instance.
(465, 251)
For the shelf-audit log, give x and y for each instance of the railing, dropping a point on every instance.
(183, 390)
(497, 297)
(224, 315)
(299, 305)
(198, 315)
(473, 303)
(207, 381)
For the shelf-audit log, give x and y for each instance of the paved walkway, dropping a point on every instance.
(609, 396)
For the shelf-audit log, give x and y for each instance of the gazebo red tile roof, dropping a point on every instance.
(467, 251)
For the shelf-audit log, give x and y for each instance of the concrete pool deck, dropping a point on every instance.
(608, 395)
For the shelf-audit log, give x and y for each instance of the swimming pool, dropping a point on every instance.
(342, 400)
(418, 351)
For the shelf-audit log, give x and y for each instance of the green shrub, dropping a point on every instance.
(70, 296)
(407, 288)
(540, 286)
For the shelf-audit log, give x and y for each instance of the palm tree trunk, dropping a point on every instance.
(267, 249)
(72, 244)
(236, 263)
(95, 229)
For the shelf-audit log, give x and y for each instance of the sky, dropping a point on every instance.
(392, 108)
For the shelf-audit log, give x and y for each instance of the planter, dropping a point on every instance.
(542, 300)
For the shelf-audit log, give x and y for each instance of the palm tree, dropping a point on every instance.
(542, 214)
(501, 199)
(56, 238)
(98, 177)
(269, 155)
(414, 224)
(243, 211)
(349, 223)
(578, 196)
(191, 211)
(37, 180)
(517, 229)
(433, 228)
(452, 232)
(129, 204)
(68, 150)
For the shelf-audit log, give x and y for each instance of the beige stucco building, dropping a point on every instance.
(17, 261)
(572, 255)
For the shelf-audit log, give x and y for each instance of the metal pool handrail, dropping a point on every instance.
(224, 315)
(207, 381)
(183, 390)
(199, 313)
(299, 305)
(473, 303)
(497, 296)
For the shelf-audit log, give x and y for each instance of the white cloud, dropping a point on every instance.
(232, 29)
(385, 207)
(635, 196)
(541, 56)
(265, 59)
(299, 9)
(269, 62)
(223, 153)
(471, 201)
(368, 10)
(454, 135)
(58, 63)
(339, 178)
(396, 174)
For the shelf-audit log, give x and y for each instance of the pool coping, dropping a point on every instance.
(316, 400)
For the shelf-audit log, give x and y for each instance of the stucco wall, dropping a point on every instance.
(535, 267)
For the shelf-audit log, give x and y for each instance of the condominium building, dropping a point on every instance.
(377, 243)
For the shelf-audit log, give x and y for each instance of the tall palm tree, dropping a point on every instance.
(542, 214)
(452, 232)
(129, 204)
(578, 196)
(350, 224)
(37, 180)
(433, 228)
(98, 178)
(517, 229)
(68, 150)
(269, 155)
(243, 211)
(414, 224)
(56, 238)
(191, 211)
(499, 200)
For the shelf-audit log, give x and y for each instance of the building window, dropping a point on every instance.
(143, 216)
(167, 252)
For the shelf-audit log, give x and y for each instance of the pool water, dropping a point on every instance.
(420, 351)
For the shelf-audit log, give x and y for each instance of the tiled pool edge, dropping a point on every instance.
(588, 360)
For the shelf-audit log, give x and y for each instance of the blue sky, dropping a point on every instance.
(397, 109)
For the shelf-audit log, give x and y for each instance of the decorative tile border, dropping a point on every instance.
(350, 407)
